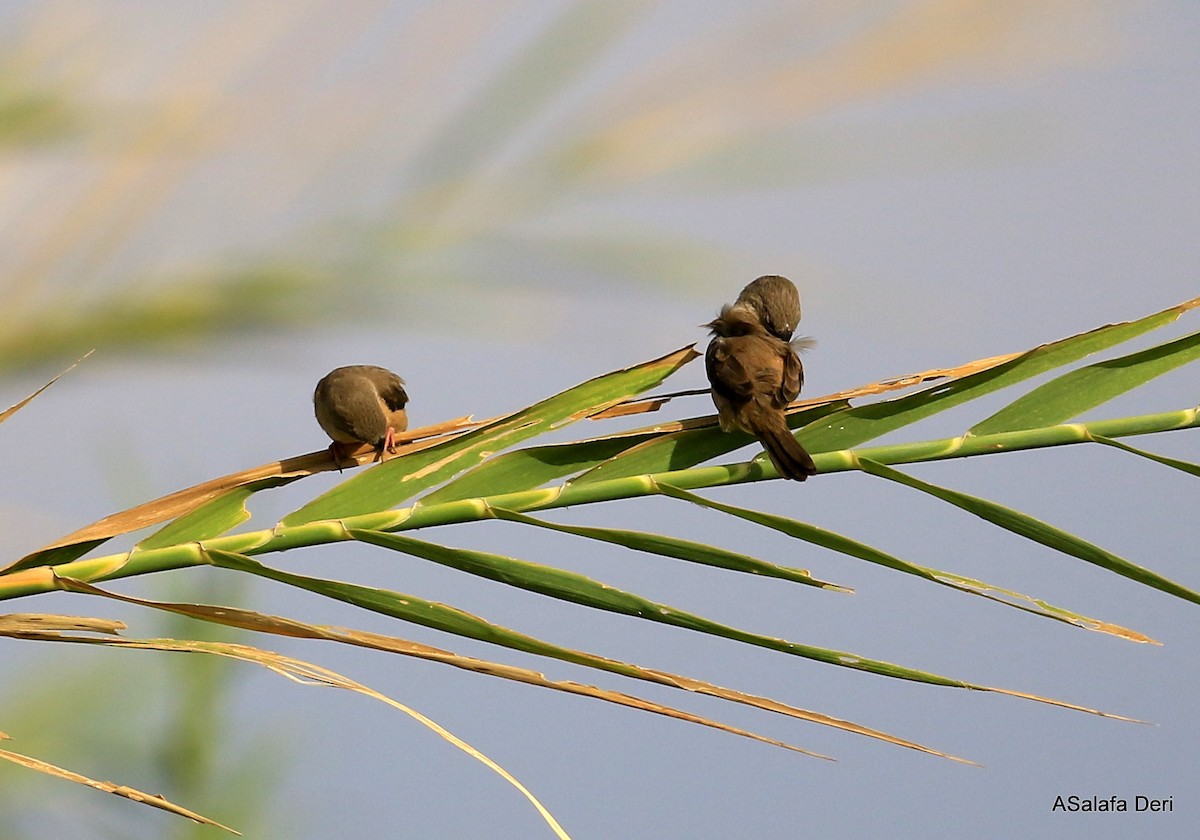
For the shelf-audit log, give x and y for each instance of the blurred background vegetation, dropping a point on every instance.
(234, 167)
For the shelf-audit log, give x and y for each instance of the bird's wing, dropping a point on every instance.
(392, 393)
(355, 414)
(725, 371)
(383, 382)
(793, 377)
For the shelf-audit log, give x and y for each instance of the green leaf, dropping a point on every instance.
(19, 579)
(53, 556)
(576, 588)
(451, 620)
(1073, 393)
(212, 519)
(854, 426)
(1034, 529)
(532, 467)
(686, 448)
(845, 545)
(402, 606)
(665, 546)
(577, 493)
(1174, 463)
(402, 477)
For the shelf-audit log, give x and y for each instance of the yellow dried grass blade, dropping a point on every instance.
(130, 793)
(248, 620)
(642, 405)
(282, 626)
(13, 409)
(298, 671)
(19, 623)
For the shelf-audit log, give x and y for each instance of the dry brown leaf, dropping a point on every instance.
(13, 409)
(182, 502)
(642, 405)
(296, 670)
(16, 623)
(134, 794)
(248, 620)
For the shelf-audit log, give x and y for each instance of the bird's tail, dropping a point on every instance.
(789, 457)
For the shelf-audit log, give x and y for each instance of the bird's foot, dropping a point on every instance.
(339, 455)
(387, 446)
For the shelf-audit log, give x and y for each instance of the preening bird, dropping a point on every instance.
(755, 373)
(361, 404)
(776, 302)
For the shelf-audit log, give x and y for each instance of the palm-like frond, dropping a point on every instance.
(475, 475)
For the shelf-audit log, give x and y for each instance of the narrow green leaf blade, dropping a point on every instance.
(854, 426)
(282, 626)
(576, 588)
(845, 545)
(405, 607)
(680, 549)
(1174, 463)
(451, 620)
(1034, 529)
(401, 478)
(1073, 393)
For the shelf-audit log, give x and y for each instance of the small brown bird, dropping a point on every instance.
(361, 404)
(754, 375)
(776, 303)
